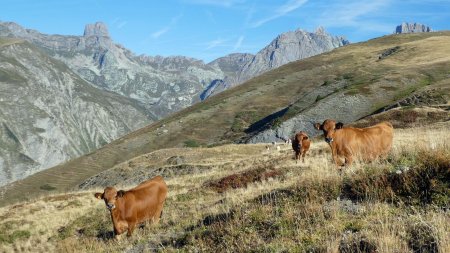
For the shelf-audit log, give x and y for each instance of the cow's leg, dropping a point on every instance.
(117, 230)
(158, 213)
(348, 160)
(348, 157)
(131, 226)
(303, 155)
(337, 160)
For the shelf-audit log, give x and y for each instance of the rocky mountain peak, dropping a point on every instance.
(321, 31)
(97, 29)
(412, 28)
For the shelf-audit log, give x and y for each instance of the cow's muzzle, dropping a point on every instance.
(110, 206)
(329, 140)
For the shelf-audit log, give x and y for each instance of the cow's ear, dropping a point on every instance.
(120, 193)
(99, 195)
(318, 126)
(339, 125)
(305, 138)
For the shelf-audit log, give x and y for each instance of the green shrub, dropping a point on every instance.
(14, 236)
(47, 187)
(191, 144)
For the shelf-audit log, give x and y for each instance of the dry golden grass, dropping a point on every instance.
(77, 222)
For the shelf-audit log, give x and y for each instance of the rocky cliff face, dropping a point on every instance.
(48, 114)
(163, 84)
(287, 47)
(231, 66)
(412, 28)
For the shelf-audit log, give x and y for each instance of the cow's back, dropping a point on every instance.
(367, 143)
(145, 201)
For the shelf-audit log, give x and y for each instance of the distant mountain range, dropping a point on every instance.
(285, 48)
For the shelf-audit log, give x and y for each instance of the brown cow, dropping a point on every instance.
(349, 142)
(135, 206)
(300, 144)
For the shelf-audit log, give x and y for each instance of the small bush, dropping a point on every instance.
(348, 76)
(47, 187)
(241, 180)
(276, 123)
(422, 238)
(191, 144)
(355, 242)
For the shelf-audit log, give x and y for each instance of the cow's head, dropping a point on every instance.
(110, 196)
(329, 128)
(299, 137)
(302, 136)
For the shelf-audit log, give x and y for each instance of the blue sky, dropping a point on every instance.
(207, 29)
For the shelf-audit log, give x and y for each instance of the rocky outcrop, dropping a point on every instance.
(98, 29)
(412, 28)
(231, 65)
(326, 101)
(287, 47)
(48, 114)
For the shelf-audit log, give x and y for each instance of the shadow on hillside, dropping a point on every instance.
(266, 122)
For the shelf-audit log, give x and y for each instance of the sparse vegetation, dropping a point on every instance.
(191, 144)
(251, 199)
(241, 180)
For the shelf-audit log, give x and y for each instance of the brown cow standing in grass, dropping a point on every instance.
(138, 205)
(350, 142)
(300, 144)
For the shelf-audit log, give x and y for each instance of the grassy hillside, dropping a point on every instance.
(241, 198)
(378, 72)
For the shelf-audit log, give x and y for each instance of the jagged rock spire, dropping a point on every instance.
(97, 29)
(412, 28)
